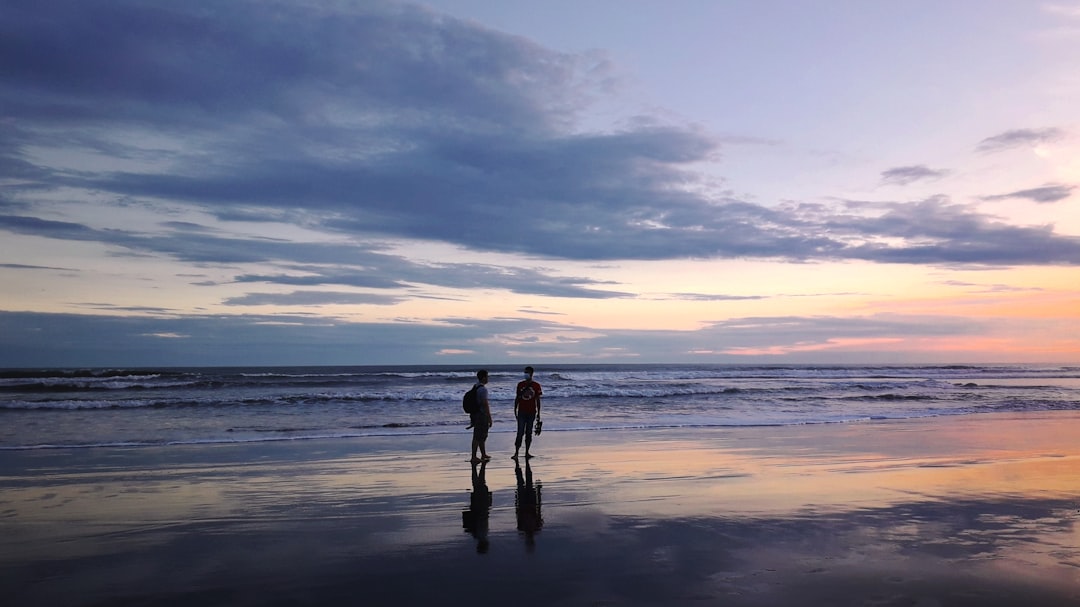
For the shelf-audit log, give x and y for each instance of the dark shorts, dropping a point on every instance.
(480, 427)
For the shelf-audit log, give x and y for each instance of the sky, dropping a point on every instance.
(466, 182)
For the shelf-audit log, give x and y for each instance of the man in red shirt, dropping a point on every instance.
(526, 410)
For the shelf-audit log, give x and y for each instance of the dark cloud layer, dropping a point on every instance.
(377, 120)
(33, 339)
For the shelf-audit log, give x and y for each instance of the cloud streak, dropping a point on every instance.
(1044, 194)
(910, 174)
(1019, 138)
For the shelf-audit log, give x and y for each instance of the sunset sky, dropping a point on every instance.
(223, 182)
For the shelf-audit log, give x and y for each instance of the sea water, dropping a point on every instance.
(85, 408)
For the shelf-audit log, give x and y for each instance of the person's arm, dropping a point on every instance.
(539, 394)
(517, 398)
(487, 408)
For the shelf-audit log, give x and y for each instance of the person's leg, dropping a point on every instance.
(479, 442)
(481, 434)
(528, 430)
(520, 434)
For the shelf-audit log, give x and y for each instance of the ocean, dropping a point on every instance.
(138, 407)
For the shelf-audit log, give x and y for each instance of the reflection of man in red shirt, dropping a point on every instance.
(526, 410)
(527, 503)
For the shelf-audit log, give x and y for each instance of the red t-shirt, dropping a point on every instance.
(528, 394)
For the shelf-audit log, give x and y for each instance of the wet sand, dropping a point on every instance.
(978, 510)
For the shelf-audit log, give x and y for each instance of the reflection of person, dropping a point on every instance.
(475, 519)
(481, 418)
(527, 501)
(526, 408)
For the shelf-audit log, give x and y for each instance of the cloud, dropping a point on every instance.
(88, 340)
(35, 339)
(312, 298)
(1044, 194)
(995, 288)
(21, 266)
(910, 174)
(1019, 137)
(932, 231)
(184, 66)
(348, 265)
(1065, 10)
(316, 276)
(936, 231)
(139, 310)
(712, 297)
(378, 121)
(166, 335)
(378, 274)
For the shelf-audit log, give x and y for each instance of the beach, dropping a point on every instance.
(972, 510)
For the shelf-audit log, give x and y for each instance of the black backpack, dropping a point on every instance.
(469, 402)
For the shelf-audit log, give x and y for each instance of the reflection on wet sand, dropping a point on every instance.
(528, 501)
(476, 519)
(976, 511)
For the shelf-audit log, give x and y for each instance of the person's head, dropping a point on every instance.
(482, 376)
(528, 372)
